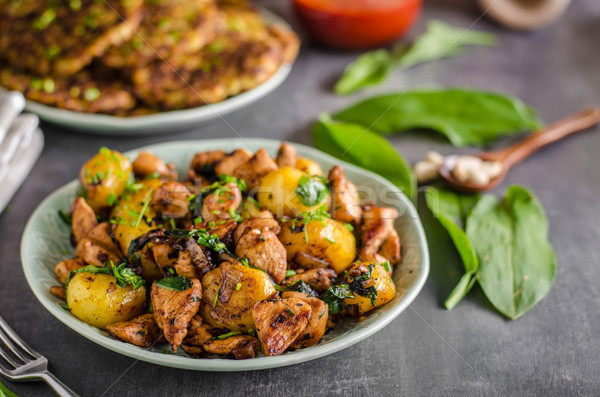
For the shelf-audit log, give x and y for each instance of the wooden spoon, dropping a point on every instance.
(516, 153)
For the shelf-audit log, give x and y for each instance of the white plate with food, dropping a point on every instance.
(165, 78)
(266, 263)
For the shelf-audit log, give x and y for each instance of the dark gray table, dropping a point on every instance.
(552, 350)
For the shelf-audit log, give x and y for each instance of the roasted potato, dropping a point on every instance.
(224, 305)
(126, 214)
(309, 166)
(379, 279)
(97, 300)
(278, 194)
(323, 239)
(104, 178)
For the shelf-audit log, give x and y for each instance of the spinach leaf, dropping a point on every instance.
(451, 210)
(465, 117)
(302, 287)
(176, 283)
(312, 190)
(516, 262)
(356, 285)
(334, 297)
(439, 41)
(371, 68)
(65, 217)
(357, 145)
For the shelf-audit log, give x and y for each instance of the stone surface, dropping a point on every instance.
(472, 350)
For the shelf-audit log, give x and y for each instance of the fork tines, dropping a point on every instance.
(14, 350)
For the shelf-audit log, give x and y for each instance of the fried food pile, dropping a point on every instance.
(133, 57)
(247, 254)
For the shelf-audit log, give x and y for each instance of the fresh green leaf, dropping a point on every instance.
(465, 117)
(371, 68)
(335, 295)
(302, 287)
(176, 283)
(516, 262)
(451, 210)
(357, 145)
(5, 392)
(312, 190)
(439, 41)
(356, 285)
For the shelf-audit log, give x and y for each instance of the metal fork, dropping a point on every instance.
(25, 364)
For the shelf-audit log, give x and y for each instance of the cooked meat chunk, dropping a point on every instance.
(147, 164)
(345, 205)
(241, 346)
(286, 156)
(173, 310)
(317, 279)
(223, 229)
(198, 334)
(280, 323)
(169, 30)
(84, 218)
(227, 165)
(380, 241)
(222, 202)
(204, 163)
(262, 220)
(142, 331)
(171, 200)
(61, 39)
(98, 247)
(64, 268)
(184, 266)
(59, 292)
(254, 170)
(165, 257)
(263, 249)
(317, 322)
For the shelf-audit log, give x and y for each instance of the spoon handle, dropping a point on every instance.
(514, 154)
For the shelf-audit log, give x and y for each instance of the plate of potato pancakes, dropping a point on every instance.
(138, 66)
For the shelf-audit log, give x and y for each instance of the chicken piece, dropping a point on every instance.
(204, 163)
(199, 260)
(380, 241)
(317, 279)
(198, 334)
(64, 268)
(221, 203)
(142, 331)
(98, 248)
(227, 165)
(254, 170)
(59, 291)
(84, 218)
(262, 220)
(184, 266)
(223, 229)
(165, 257)
(263, 249)
(345, 205)
(196, 182)
(241, 346)
(280, 323)
(171, 200)
(317, 322)
(286, 156)
(173, 310)
(146, 164)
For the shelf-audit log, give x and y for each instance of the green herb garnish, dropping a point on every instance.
(312, 190)
(176, 283)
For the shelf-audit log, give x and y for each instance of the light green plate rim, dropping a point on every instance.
(46, 236)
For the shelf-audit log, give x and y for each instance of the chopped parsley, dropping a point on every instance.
(238, 286)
